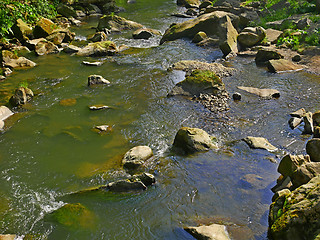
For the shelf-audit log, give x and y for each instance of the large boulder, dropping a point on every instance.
(66, 11)
(117, 23)
(209, 23)
(250, 36)
(211, 232)
(290, 163)
(12, 60)
(21, 96)
(136, 156)
(21, 30)
(44, 28)
(313, 149)
(45, 47)
(56, 38)
(295, 215)
(145, 33)
(228, 36)
(192, 140)
(266, 54)
(305, 173)
(105, 48)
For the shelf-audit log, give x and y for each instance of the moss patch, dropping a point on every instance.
(204, 77)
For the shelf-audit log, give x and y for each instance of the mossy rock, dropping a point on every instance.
(74, 215)
(117, 23)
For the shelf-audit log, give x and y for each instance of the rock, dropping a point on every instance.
(193, 140)
(236, 96)
(146, 178)
(5, 113)
(97, 79)
(213, 24)
(209, 43)
(98, 37)
(228, 36)
(286, 183)
(126, 186)
(299, 113)
(273, 35)
(313, 149)
(71, 49)
(189, 3)
(80, 14)
(145, 33)
(266, 54)
(259, 143)
(192, 11)
(116, 23)
(205, 4)
(44, 28)
(31, 44)
(250, 36)
(200, 36)
(99, 107)
(92, 63)
(295, 122)
(217, 68)
(8, 236)
(181, 15)
(305, 173)
(304, 23)
(105, 48)
(264, 92)
(290, 163)
(68, 36)
(316, 133)
(280, 193)
(296, 215)
(46, 47)
(199, 81)
(104, 128)
(56, 38)
(74, 215)
(22, 96)
(316, 118)
(10, 59)
(136, 156)
(283, 65)
(66, 11)
(308, 123)
(211, 232)
(296, 58)
(21, 30)
(254, 181)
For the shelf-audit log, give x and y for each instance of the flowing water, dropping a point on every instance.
(50, 149)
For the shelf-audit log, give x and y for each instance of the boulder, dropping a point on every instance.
(116, 23)
(136, 156)
(308, 123)
(236, 96)
(200, 36)
(5, 113)
(98, 37)
(44, 28)
(250, 36)
(316, 133)
(305, 173)
(146, 178)
(316, 118)
(205, 4)
(228, 36)
(299, 113)
(213, 24)
(145, 33)
(71, 49)
(290, 163)
(66, 11)
(12, 60)
(199, 81)
(284, 183)
(313, 149)
(283, 65)
(211, 232)
(56, 38)
(189, 3)
(295, 122)
(259, 143)
(295, 215)
(31, 44)
(192, 140)
(105, 48)
(263, 92)
(209, 43)
(21, 30)
(21, 96)
(126, 186)
(273, 35)
(45, 48)
(266, 54)
(217, 68)
(97, 79)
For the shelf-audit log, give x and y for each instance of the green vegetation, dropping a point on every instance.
(29, 11)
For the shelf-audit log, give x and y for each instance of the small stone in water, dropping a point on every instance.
(236, 96)
(104, 128)
(92, 63)
(98, 107)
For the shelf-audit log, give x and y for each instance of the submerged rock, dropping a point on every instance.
(116, 23)
(264, 92)
(126, 185)
(97, 79)
(22, 96)
(136, 156)
(211, 232)
(105, 48)
(259, 143)
(192, 140)
(313, 149)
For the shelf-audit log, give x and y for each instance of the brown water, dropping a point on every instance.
(50, 150)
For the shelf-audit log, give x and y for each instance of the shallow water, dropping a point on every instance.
(51, 150)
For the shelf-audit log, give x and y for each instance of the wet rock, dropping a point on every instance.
(266, 54)
(189, 3)
(250, 36)
(11, 60)
(71, 49)
(56, 38)
(68, 102)
(213, 24)
(209, 43)
(97, 79)
(200, 36)
(236, 96)
(264, 92)
(211, 232)
(21, 30)
(193, 140)
(205, 4)
(290, 163)
(116, 23)
(254, 181)
(305, 173)
(316, 118)
(66, 11)
(308, 123)
(105, 48)
(31, 44)
(45, 47)
(273, 35)
(228, 36)
(296, 215)
(98, 37)
(126, 186)
(22, 96)
(313, 149)
(217, 68)
(145, 33)
(299, 113)
(280, 193)
(259, 143)
(92, 63)
(285, 183)
(316, 133)
(181, 15)
(5, 113)
(296, 58)
(44, 28)
(68, 36)
(99, 107)
(283, 65)
(136, 156)
(104, 128)
(146, 178)
(192, 11)
(295, 122)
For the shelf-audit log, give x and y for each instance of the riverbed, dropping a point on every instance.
(50, 148)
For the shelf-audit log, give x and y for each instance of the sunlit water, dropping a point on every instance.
(51, 150)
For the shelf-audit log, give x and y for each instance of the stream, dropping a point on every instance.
(51, 150)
